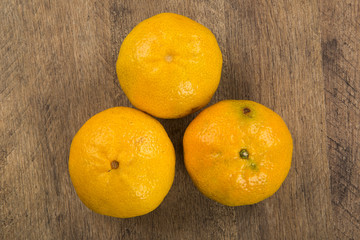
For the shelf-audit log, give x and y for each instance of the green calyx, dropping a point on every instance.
(244, 154)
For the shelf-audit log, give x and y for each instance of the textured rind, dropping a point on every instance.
(169, 65)
(146, 163)
(212, 143)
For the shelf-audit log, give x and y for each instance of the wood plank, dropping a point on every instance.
(54, 76)
(273, 54)
(185, 213)
(341, 64)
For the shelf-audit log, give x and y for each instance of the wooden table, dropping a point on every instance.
(300, 58)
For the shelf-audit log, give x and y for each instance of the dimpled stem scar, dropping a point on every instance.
(246, 110)
(114, 164)
(168, 58)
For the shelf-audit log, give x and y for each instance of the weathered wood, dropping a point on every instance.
(341, 64)
(274, 58)
(300, 58)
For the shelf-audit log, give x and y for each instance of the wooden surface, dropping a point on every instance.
(300, 58)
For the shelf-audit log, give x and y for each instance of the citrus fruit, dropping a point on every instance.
(237, 152)
(122, 163)
(169, 66)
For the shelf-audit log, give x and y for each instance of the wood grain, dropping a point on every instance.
(341, 64)
(300, 58)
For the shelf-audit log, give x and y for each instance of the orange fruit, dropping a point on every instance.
(237, 152)
(122, 163)
(169, 66)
